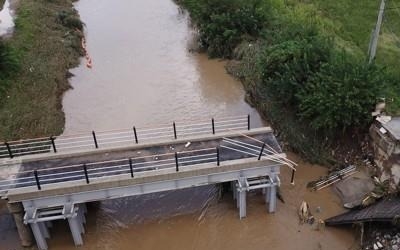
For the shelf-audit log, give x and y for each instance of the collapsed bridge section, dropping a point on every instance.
(55, 187)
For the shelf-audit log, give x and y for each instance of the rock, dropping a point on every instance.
(379, 245)
(318, 209)
(375, 247)
(395, 247)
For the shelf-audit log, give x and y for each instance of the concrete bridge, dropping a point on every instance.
(57, 184)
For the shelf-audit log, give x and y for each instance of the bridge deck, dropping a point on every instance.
(68, 168)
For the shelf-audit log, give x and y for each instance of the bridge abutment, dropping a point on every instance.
(25, 234)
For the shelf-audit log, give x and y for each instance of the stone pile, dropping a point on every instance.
(386, 241)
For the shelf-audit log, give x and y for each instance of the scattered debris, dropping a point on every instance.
(187, 144)
(332, 178)
(304, 212)
(386, 239)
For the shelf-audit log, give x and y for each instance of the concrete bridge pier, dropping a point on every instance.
(272, 199)
(267, 193)
(40, 220)
(76, 224)
(25, 234)
(268, 186)
(39, 234)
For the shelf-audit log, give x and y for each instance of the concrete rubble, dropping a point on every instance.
(386, 241)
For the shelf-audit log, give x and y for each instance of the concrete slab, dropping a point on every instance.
(353, 189)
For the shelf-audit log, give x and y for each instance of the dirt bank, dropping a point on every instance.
(46, 44)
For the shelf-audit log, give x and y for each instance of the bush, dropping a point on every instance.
(8, 60)
(8, 65)
(224, 23)
(342, 94)
(290, 58)
(70, 20)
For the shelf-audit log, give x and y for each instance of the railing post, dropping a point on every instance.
(262, 149)
(213, 126)
(9, 150)
(292, 179)
(174, 130)
(131, 167)
(217, 156)
(248, 122)
(134, 131)
(53, 143)
(37, 180)
(95, 139)
(86, 174)
(176, 162)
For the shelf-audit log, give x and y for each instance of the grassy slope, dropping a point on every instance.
(351, 22)
(46, 50)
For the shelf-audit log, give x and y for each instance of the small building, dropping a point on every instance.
(385, 134)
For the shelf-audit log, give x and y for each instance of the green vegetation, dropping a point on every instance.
(304, 64)
(223, 24)
(34, 65)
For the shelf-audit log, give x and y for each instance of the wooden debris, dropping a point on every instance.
(333, 178)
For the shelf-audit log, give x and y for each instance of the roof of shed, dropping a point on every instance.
(384, 210)
(393, 127)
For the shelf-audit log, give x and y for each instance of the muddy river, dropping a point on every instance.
(144, 74)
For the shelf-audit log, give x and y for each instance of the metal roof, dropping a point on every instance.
(393, 127)
(384, 210)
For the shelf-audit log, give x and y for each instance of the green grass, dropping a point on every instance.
(351, 23)
(45, 50)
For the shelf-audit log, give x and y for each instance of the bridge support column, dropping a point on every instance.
(39, 237)
(242, 203)
(272, 199)
(25, 234)
(81, 217)
(43, 228)
(267, 194)
(76, 229)
(234, 190)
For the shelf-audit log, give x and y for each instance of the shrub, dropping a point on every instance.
(8, 60)
(224, 23)
(290, 59)
(70, 20)
(342, 94)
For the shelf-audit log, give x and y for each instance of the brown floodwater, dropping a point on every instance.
(144, 74)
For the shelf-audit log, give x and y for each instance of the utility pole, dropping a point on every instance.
(375, 33)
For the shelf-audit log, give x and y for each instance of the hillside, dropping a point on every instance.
(352, 22)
